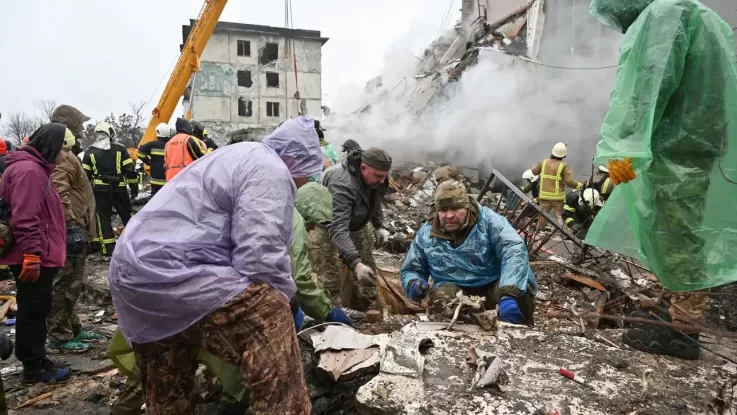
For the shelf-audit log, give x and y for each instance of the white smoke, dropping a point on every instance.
(504, 110)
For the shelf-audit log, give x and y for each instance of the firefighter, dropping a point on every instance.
(532, 185)
(152, 154)
(182, 150)
(199, 131)
(109, 167)
(603, 183)
(580, 210)
(554, 176)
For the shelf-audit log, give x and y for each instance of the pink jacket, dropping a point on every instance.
(36, 212)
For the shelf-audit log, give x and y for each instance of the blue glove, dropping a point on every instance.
(299, 318)
(509, 311)
(417, 290)
(337, 315)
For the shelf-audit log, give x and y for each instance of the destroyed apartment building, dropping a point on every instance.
(249, 75)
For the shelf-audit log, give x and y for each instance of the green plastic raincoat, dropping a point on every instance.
(673, 110)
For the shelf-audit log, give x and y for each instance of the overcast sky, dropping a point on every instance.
(100, 55)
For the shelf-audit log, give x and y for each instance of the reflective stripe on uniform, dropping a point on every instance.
(117, 162)
(94, 164)
(86, 167)
(141, 155)
(127, 161)
(605, 186)
(157, 182)
(568, 208)
(99, 182)
(133, 181)
(157, 152)
(558, 194)
(569, 220)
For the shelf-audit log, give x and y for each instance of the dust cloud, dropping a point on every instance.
(504, 111)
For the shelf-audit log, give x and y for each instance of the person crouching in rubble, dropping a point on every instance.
(358, 186)
(580, 210)
(205, 265)
(38, 249)
(468, 247)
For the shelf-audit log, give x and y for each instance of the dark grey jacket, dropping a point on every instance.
(354, 204)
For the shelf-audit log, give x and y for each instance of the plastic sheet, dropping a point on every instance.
(673, 110)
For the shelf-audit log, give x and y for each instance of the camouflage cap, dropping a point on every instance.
(451, 195)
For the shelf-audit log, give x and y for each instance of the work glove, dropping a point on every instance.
(6, 346)
(337, 315)
(381, 235)
(621, 171)
(365, 274)
(575, 228)
(75, 239)
(299, 318)
(31, 271)
(417, 289)
(509, 311)
(581, 234)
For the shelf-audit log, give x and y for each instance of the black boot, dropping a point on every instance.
(44, 371)
(663, 340)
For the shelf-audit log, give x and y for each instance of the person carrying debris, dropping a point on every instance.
(216, 273)
(671, 124)
(580, 210)
(469, 248)
(199, 131)
(358, 187)
(70, 181)
(554, 176)
(602, 183)
(182, 149)
(152, 154)
(110, 169)
(313, 208)
(38, 249)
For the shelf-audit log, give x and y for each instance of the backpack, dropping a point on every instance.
(6, 235)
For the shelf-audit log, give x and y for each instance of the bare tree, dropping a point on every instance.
(47, 107)
(138, 118)
(20, 125)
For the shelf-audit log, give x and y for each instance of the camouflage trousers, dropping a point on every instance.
(687, 308)
(253, 330)
(326, 265)
(354, 294)
(63, 322)
(130, 399)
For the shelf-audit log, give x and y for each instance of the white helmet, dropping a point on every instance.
(603, 169)
(162, 130)
(527, 175)
(560, 150)
(590, 198)
(106, 128)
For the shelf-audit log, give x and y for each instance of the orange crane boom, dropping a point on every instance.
(188, 63)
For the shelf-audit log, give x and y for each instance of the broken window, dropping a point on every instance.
(244, 48)
(244, 79)
(272, 109)
(272, 79)
(269, 53)
(245, 107)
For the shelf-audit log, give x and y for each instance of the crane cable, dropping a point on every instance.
(289, 24)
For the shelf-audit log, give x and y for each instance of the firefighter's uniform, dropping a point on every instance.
(110, 170)
(152, 154)
(603, 183)
(580, 210)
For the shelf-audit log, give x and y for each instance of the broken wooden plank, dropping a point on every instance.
(586, 281)
(37, 399)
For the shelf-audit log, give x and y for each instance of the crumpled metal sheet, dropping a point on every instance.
(402, 355)
(342, 338)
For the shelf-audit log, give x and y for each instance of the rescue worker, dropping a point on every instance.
(182, 149)
(602, 183)
(152, 154)
(216, 274)
(313, 207)
(469, 248)
(532, 185)
(70, 181)
(199, 131)
(671, 112)
(358, 187)
(554, 176)
(580, 210)
(109, 169)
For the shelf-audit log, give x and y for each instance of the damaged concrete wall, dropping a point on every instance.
(231, 91)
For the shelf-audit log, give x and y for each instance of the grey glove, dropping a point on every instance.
(365, 274)
(381, 235)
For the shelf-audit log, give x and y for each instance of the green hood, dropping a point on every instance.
(314, 203)
(618, 14)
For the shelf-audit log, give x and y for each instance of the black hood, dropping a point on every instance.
(198, 130)
(183, 126)
(48, 140)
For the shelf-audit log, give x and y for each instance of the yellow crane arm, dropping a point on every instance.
(189, 62)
